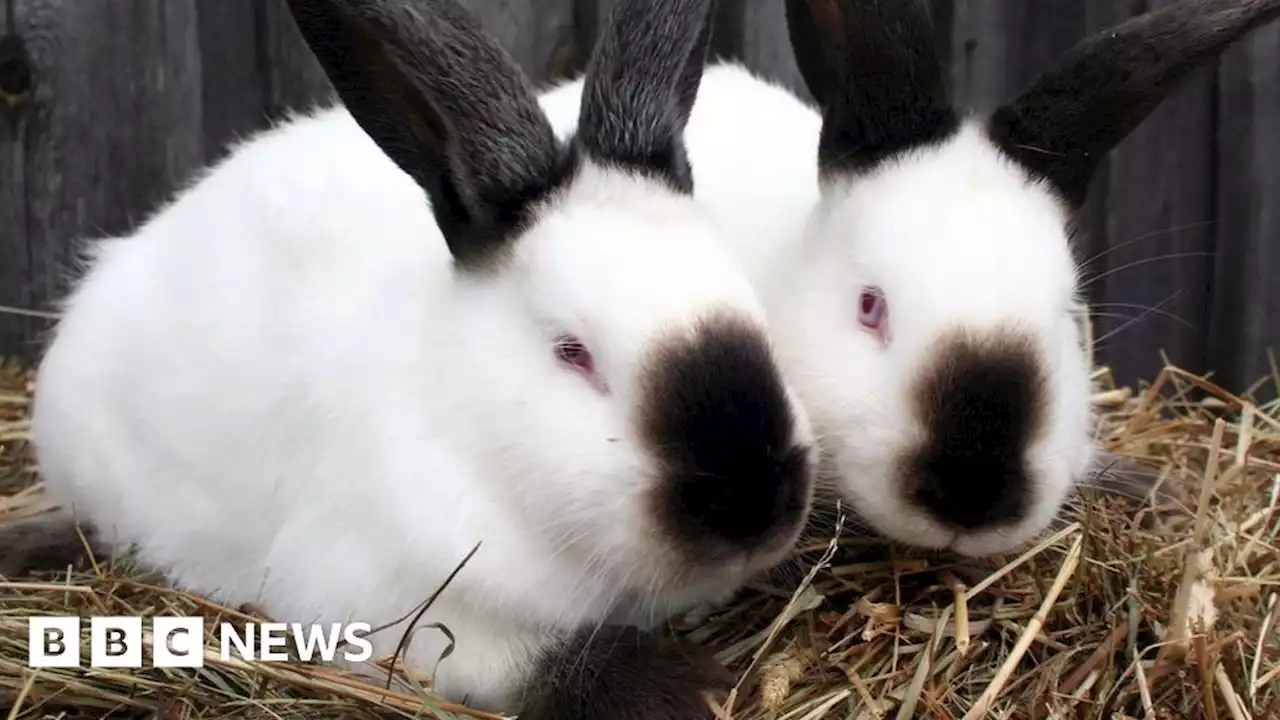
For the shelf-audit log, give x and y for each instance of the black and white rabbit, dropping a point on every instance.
(915, 259)
(379, 334)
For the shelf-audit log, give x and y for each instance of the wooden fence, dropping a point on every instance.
(109, 104)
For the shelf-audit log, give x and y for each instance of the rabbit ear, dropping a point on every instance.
(640, 87)
(1062, 126)
(873, 67)
(447, 104)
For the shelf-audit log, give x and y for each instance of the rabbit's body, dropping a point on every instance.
(329, 260)
(303, 385)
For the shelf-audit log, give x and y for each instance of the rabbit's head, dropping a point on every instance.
(934, 319)
(618, 374)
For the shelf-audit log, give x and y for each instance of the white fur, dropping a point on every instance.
(955, 235)
(280, 391)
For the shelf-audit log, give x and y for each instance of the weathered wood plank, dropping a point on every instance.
(16, 87)
(766, 46)
(728, 31)
(256, 69)
(539, 34)
(111, 124)
(233, 78)
(294, 78)
(1151, 294)
(999, 46)
(1245, 319)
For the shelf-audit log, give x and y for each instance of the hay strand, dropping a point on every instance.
(1029, 634)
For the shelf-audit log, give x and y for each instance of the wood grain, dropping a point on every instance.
(1153, 262)
(255, 69)
(110, 125)
(766, 47)
(1245, 320)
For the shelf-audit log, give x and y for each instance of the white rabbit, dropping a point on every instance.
(915, 260)
(308, 385)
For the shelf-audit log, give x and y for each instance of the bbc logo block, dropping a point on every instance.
(109, 642)
(54, 642)
(178, 642)
(114, 642)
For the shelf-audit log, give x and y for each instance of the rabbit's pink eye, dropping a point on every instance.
(572, 352)
(873, 309)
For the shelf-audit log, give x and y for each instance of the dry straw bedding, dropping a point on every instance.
(1124, 609)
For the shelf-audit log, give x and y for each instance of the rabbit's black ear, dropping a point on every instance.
(640, 86)
(448, 105)
(1062, 126)
(873, 67)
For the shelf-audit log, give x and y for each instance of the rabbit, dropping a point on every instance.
(915, 259)
(382, 334)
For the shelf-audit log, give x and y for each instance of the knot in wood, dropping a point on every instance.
(16, 74)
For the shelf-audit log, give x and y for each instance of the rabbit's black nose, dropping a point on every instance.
(718, 420)
(745, 508)
(982, 404)
(972, 493)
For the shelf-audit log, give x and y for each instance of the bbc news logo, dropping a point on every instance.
(178, 642)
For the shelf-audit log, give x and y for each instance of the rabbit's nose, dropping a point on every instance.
(973, 493)
(747, 509)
